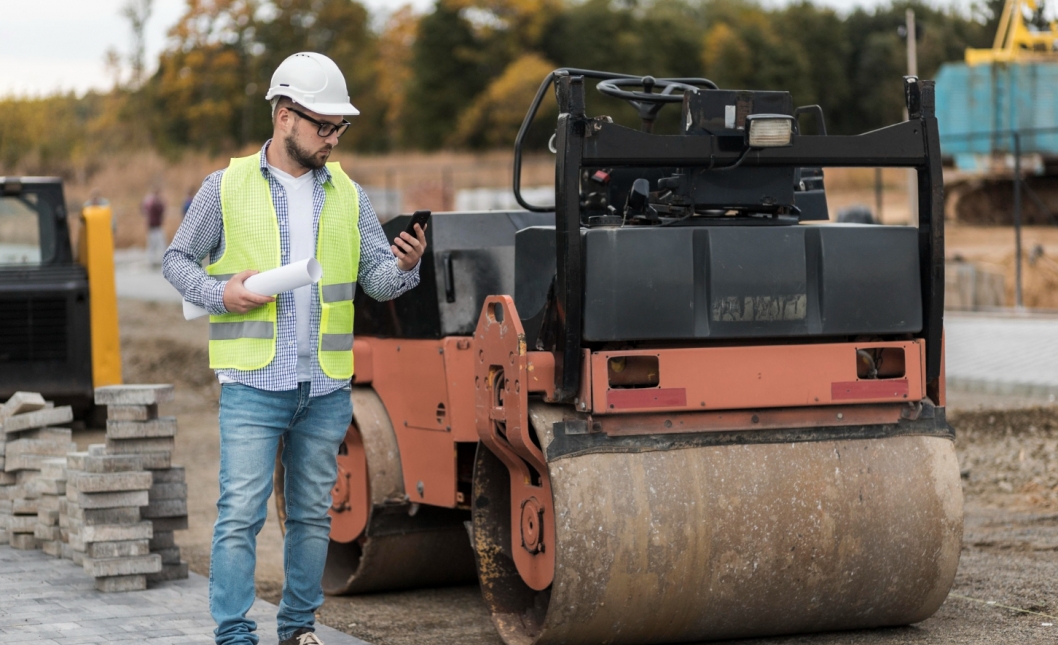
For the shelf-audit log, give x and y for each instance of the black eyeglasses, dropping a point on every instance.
(326, 129)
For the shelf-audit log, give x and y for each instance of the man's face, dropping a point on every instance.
(302, 140)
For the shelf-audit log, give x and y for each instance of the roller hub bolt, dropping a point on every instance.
(532, 526)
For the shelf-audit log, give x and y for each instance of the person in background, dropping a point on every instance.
(153, 208)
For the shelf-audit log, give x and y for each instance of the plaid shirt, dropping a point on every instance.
(202, 233)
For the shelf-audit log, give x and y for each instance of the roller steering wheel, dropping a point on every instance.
(647, 102)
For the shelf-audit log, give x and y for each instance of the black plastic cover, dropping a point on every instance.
(655, 283)
(469, 256)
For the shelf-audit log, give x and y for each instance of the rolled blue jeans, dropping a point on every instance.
(252, 422)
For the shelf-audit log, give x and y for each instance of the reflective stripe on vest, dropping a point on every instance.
(338, 292)
(233, 330)
(251, 241)
(337, 343)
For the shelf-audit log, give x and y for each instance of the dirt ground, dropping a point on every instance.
(1006, 590)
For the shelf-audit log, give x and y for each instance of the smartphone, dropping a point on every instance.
(420, 218)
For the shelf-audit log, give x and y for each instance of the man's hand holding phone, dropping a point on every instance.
(411, 244)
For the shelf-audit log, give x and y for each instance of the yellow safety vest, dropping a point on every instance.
(251, 241)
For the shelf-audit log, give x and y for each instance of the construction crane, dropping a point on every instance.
(1015, 41)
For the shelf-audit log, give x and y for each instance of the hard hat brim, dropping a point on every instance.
(326, 109)
(332, 109)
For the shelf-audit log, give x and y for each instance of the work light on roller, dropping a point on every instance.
(769, 130)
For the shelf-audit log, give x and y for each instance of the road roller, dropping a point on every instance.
(678, 404)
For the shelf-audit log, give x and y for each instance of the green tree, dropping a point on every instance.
(450, 69)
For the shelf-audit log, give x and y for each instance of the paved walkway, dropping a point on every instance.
(47, 601)
(136, 279)
(1002, 354)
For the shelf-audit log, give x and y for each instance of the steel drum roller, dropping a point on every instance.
(716, 542)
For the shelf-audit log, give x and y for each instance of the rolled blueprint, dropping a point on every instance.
(269, 283)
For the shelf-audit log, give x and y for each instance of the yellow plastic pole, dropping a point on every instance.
(96, 253)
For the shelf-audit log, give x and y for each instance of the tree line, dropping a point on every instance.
(462, 75)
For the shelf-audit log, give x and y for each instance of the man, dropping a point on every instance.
(285, 363)
(153, 208)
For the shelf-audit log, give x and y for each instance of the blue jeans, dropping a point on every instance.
(251, 423)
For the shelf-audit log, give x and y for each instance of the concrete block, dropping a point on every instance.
(73, 538)
(155, 460)
(97, 449)
(3, 445)
(62, 505)
(21, 523)
(108, 482)
(45, 447)
(46, 533)
(52, 548)
(172, 475)
(131, 412)
(164, 508)
(170, 523)
(169, 572)
(38, 419)
(21, 403)
(5, 537)
(49, 487)
(24, 507)
(160, 427)
(162, 540)
(54, 469)
(50, 503)
(85, 462)
(137, 446)
(6, 506)
(120, 584)
(170, 555)
(47, 434)
(15, 463)
(133, 394)
(106, 567)
(168, 491)
(66, 551)
(6, 478)
(48, 518)
(3, 462)
(119, 549)
(108, 500)
(94, 516)
(77, 557)
(116, 533)
(64, 534)
(24, 541)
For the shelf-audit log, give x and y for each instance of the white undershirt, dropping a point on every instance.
(302, 247)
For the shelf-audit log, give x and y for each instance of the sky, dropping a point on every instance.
(49, 46)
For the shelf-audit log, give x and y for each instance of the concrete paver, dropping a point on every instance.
(45, 600)
(1002, 354)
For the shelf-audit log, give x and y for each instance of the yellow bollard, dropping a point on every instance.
(96, 253)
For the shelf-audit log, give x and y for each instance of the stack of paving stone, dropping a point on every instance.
(52, 488)
(29, 441)
(106, 533)
(134, 428)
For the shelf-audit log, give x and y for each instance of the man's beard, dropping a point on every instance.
(305, 158)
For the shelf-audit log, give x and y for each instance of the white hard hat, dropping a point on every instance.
(314, 81)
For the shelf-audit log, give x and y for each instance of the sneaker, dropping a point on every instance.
(303, 636)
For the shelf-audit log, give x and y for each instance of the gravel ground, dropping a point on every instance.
(1006, 590)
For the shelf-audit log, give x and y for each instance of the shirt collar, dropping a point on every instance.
(322, 175)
